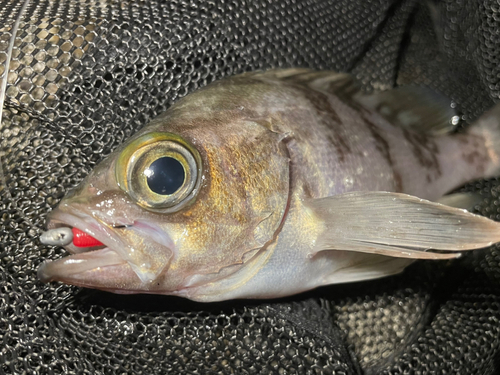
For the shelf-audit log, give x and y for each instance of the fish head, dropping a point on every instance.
(185, 202)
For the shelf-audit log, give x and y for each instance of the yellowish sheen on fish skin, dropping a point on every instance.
(271, 144)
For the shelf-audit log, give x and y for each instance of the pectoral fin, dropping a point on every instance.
(399, 225)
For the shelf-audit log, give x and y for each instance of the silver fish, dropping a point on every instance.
(268, 184)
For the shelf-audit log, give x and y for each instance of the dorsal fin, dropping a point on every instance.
(420, 109)
(340, 84)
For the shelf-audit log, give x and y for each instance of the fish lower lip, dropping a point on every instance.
(69, 268)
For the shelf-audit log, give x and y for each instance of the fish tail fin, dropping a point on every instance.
(488, 127)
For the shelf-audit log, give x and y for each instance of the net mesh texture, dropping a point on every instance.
(85, 75)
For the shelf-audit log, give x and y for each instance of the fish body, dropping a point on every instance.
(275, 183)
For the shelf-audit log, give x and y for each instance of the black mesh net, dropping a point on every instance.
(86, 74)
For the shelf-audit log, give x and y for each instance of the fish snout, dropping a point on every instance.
(120, 258)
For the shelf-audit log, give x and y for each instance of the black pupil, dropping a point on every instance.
(165, 176)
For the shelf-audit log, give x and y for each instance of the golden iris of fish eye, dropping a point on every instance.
(134, 161)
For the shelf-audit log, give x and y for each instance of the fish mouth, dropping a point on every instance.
(107, 267)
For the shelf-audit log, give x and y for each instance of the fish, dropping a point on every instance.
(268, 184)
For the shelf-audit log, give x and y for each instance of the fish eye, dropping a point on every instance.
(160, 171)
(165, 175)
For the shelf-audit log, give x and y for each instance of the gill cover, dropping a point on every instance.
(160, 171)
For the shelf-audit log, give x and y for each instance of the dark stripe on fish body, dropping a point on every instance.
(345, 91)
(323, 106)
(383, 147)
(380, 142)
(478, 157)
(330, 119)
(425, 150)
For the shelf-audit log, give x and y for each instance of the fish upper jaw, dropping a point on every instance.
(132, 258)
